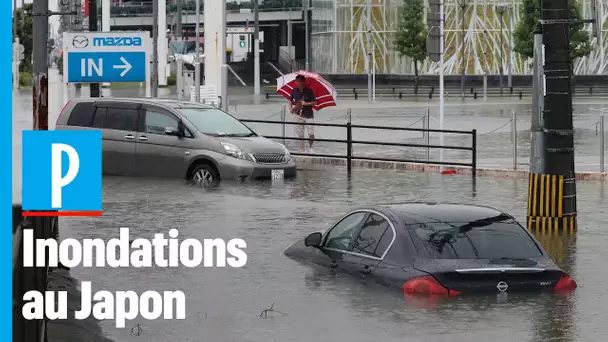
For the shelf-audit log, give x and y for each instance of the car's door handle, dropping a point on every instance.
(143, 138)
(129, 136)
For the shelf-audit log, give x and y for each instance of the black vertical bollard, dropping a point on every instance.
(349, 146)
(474, 154)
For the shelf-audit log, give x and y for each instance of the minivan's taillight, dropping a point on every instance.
(427, 286)
(565, 283)
(62, 110)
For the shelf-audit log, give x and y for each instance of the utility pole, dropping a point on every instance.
(197, 53)
(154, 77)
(256, 49)
(14, 19)
(94, 87)
(40, 65)
(15, 48)
(369, 51)
(510, 65)
(463, 9)
(536, 125)
(501, 12)
(552, 197)
(434, 48)
(178, 23)
(307, 35)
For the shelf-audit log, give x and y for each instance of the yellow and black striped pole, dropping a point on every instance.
(549, 206)
(552, 183)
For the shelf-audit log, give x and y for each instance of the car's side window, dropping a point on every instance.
(342, 234)
(375, 237)
(82, 115)
(121, 119)
(156, 121)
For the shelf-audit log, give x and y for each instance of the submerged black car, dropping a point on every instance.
(435, 249)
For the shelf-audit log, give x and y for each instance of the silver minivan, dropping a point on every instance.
(169, 138)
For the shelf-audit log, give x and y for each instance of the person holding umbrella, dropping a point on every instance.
(301, 102)
(307, 93)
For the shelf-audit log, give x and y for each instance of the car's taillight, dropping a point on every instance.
(427, 286)
(62, 110)
(565, 283)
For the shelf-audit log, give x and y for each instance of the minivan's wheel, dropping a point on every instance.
(205, 175)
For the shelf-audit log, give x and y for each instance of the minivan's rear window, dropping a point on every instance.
(82, 115)
(490, 238)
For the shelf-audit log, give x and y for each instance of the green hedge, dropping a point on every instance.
(25, 79)
(171, 80)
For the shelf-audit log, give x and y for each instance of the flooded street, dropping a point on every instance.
(224, 304)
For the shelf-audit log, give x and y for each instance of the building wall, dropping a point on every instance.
(341, 43)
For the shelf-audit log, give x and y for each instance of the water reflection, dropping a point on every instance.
(555, 318)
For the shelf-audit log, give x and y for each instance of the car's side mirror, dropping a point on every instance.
(173, 131)
(313, 240)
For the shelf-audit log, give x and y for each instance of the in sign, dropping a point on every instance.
(88, 66)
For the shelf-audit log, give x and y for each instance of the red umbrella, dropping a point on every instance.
(326, 94)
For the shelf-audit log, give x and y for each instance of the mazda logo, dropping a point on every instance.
(80, 42)
(502, 286)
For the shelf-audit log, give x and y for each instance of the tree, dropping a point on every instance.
(25, 25)
(523, 37)
(410, 39)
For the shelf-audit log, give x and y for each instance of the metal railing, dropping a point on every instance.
(600, 129)
(30, 278)
(349, 142)
(515, 148)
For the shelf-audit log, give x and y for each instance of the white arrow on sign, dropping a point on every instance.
(125, 66)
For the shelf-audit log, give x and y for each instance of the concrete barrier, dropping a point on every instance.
(421, 167)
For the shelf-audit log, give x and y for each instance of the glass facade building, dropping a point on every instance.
(347, 36)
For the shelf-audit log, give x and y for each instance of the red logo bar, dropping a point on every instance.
(61, 213)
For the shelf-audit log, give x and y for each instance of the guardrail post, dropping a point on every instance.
(474, 154)
(602, 142)
(283, 115)
(349, 144)
(514, 137)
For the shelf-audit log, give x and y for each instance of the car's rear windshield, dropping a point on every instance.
(213, 121)
(491, 238)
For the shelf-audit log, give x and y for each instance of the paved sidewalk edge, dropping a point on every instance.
(420, 167)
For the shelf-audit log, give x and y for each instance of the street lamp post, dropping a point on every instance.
(501, 11)
(463, 5)
(510, 56)
(486, 67)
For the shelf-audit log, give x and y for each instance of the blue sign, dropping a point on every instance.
(97, 67)
(61, 170)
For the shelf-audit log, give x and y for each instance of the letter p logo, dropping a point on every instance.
(61, 171)
(58, 180)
